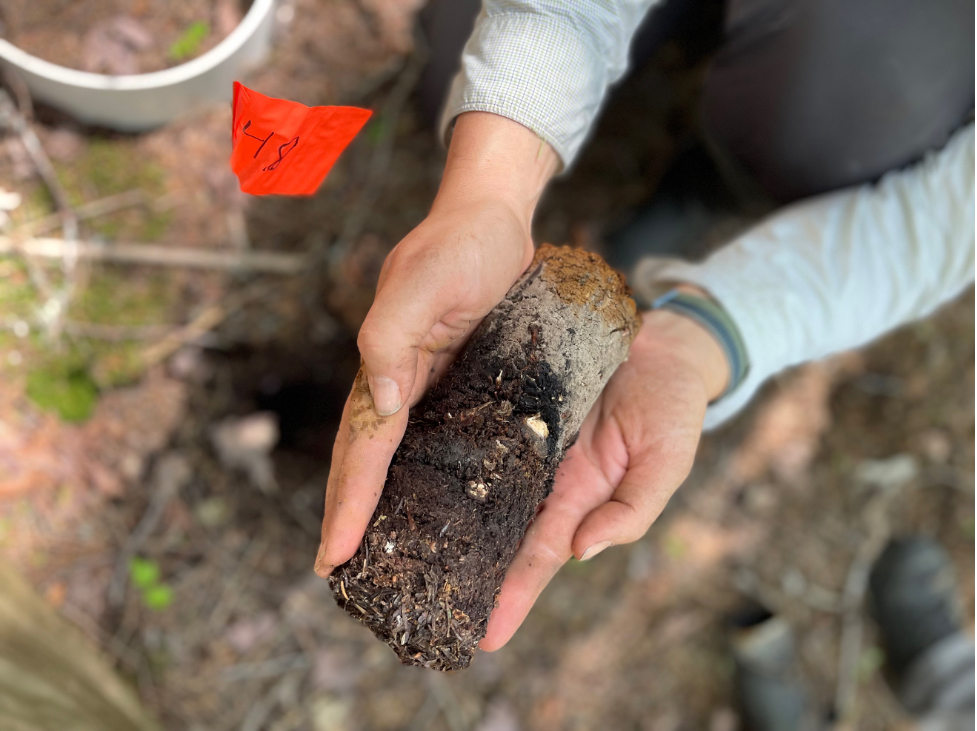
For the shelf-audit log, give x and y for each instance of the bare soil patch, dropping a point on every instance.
(119, 37)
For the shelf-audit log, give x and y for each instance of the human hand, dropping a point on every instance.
(635, 448)
(434, 288)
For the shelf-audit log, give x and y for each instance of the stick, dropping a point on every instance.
(203, 323)
(57, 305)
(267, 262)
(94, 209)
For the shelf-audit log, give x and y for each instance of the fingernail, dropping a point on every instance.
(322, 569)
(386, 395)
(594, 550)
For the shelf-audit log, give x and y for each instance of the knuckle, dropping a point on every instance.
(372, 341)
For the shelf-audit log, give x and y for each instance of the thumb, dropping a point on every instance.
(406, 316)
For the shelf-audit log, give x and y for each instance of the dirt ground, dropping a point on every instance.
(210, 466)
(119, 37)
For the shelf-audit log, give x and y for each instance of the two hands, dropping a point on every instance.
(635, 447)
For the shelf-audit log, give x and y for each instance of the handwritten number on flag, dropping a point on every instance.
(278, 126)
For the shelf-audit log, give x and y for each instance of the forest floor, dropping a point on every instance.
(208, 466)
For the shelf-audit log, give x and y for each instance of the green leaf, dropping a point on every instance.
(71, 393)
(158, 597)
(189, 43)
(143, 572)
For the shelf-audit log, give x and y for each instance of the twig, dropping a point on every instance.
(23, 93)
(84, 212)
(56, 306)
(203, 323)
(115, 333)
(268, 262)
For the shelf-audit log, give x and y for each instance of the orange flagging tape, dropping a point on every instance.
(287, 148)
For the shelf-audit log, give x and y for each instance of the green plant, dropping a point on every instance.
(62, 388)
(145, 574)
(189, 42)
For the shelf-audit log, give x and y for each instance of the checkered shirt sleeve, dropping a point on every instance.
(545, 64)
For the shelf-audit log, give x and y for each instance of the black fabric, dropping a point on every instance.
(815, 95)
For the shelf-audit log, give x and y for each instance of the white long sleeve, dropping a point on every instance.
(834, 272)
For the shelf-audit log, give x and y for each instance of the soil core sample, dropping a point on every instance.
(480, 454)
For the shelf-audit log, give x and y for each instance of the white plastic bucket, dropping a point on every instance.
(144, 101)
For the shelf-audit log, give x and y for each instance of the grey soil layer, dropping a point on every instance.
(480, 454)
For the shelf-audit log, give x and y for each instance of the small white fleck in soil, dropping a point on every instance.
(538, 426)
(477, 490)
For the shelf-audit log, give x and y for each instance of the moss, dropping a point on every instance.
(63, 387)
(114, 296)
(110, 166)
(17, 297)
(121, 297)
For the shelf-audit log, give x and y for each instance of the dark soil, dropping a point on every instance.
(432, 563)
(478, 457)
(119, 37)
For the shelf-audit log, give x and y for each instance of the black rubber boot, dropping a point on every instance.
(771, 693)
(913, 598)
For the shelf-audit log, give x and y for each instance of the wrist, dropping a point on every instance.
(494, 160)
(688, 341)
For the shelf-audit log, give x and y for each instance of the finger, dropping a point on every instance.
(547, 545)
(408, 313)
(652, 477)
(364, 447)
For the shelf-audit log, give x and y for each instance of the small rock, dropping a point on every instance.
(246, 443)
(892, 472)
